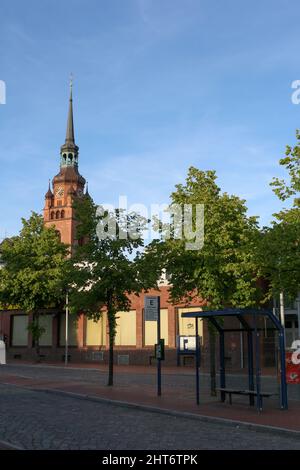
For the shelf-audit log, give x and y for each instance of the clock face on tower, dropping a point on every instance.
(59, 192)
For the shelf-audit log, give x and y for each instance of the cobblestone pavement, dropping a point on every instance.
(38, 420)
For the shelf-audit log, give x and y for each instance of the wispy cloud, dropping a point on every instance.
(150, 176)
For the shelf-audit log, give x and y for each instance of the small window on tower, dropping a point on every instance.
(57, 214)
(58, 234)
(62, 214)
(52, 215)
(59, 203)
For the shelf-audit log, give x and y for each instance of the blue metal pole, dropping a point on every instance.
(250, 365)
(222, 363)
(197, 364)
(158, 359)
(283, 384)
(257, 366)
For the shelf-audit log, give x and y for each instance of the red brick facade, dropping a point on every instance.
(138, 354)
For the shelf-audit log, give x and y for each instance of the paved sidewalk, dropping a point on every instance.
(137, 386)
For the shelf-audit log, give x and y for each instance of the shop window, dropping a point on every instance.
(72, 330)
(19, 330)
(96, 332)
(45, 321)
(150, 330)
(186, 326)
(126, 328)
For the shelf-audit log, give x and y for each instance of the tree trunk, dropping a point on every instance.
(212, 353)
(111, 326)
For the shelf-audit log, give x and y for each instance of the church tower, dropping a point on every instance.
(66, 185)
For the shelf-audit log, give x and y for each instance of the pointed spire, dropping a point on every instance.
(70, 126)
(87, 194)
(69, 150)
(49, 193)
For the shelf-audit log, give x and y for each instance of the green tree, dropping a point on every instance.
(279, 248)
(108, 266)
(279, 258)
(223, 270)
(287, 189)
(32, 274)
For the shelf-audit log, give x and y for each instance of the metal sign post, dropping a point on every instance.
(197, 363)
(158, 360)
(152, 313)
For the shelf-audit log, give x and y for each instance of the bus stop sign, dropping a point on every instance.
(151, 308)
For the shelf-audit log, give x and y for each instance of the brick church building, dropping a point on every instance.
(68, 182)
(88, 340)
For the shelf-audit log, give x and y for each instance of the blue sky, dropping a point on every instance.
(159, 85)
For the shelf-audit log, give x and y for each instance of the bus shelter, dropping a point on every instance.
(248, 322)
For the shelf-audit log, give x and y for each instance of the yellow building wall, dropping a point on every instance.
(96, 332)
(126, 328)
(150, 328)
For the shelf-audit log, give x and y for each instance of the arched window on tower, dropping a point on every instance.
(52, 215)
(62, 214)
(70, 157)
(57, 215)
(65, 158)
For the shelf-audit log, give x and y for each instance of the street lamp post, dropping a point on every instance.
(67, 329)
(282, 319)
